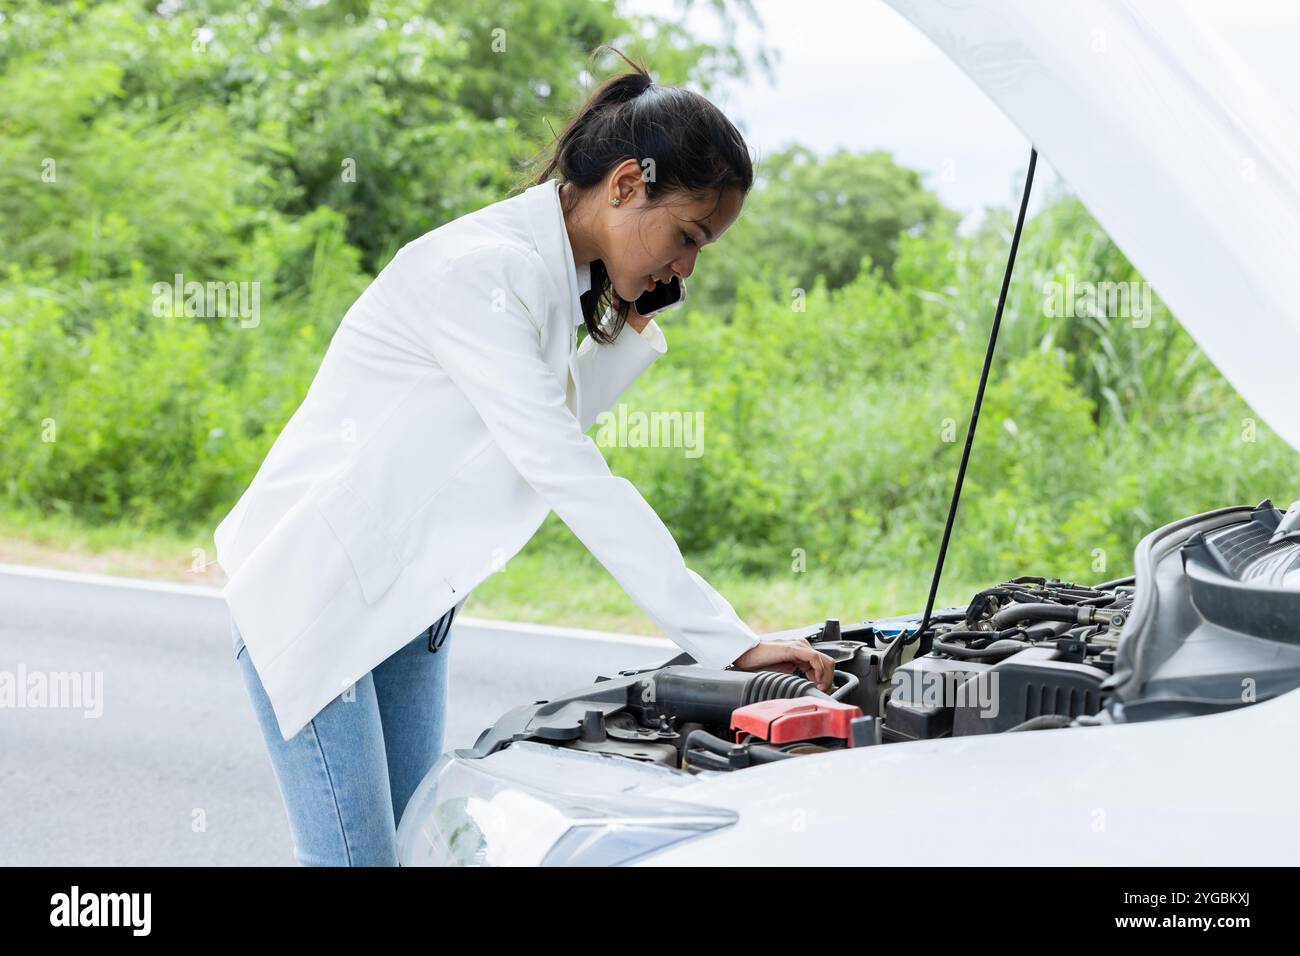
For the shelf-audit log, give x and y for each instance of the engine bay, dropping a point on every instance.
(1032, 653)
(1029, 650)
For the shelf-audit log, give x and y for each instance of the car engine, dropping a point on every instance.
(1033, 653)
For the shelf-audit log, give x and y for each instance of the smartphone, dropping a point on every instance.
(666, 295)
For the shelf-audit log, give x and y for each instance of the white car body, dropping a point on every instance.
(1208, 790)
(1149, 116)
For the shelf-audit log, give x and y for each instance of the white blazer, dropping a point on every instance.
(446, 420)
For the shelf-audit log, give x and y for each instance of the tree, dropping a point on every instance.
(809, 217)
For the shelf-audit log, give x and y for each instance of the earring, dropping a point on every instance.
(615, 201)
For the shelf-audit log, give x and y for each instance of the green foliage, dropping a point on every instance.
(290, 147)
(832, 347)
(835, 432)
(808, 217)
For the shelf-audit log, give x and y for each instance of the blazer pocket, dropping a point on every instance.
(359, 530)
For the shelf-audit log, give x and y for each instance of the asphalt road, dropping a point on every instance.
(173, 770)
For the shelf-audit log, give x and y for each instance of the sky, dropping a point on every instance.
(857, 75)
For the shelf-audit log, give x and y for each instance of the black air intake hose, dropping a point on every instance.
(1074, 614)
(773, 685)
(692, 693)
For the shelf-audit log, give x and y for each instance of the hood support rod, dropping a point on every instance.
(926, 639)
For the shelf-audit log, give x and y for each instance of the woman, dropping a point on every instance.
(446, 420)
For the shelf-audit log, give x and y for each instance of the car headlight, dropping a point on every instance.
(535, 805)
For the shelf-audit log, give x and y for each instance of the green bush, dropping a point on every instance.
(832, 348)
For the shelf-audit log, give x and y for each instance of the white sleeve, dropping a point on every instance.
(606, 371)
(483, 329)
(655, 336)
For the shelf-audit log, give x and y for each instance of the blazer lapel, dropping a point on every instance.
(546, 223)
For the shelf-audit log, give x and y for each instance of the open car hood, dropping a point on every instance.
(1176, 143)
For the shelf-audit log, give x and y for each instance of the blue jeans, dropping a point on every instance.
(346, 777)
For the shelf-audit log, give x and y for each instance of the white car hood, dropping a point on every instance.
(1211, 790)
(1177, 145)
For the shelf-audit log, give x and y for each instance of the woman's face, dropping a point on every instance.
(644, 242)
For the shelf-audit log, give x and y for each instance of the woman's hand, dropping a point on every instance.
(786, 656)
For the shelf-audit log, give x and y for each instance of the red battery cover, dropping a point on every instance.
(794, 718)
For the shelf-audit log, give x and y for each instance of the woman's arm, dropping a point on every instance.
(606, 371)
(483, 333)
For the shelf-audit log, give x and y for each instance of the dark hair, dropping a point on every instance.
(694, 147)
